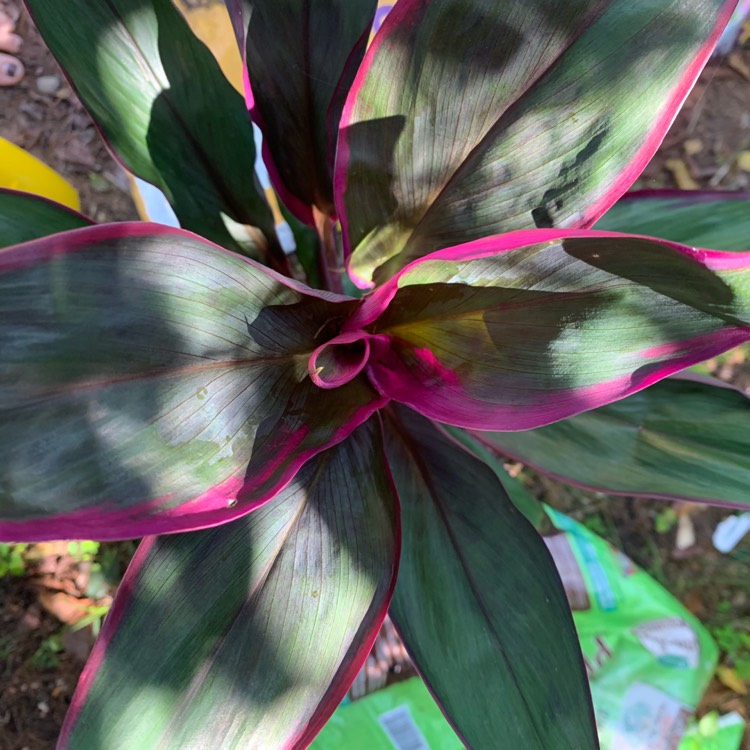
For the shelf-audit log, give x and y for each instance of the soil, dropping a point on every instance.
(41, 652)
(55, 128)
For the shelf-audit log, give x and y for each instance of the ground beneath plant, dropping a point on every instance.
(49, 610)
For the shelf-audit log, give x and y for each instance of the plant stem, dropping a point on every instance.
(331, 256)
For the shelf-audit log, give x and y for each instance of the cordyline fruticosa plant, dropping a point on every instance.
(313, 442)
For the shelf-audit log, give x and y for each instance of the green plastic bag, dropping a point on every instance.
(713, 732)
(648, 659)
(402, 717)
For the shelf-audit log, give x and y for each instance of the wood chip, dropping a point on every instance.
(730, 679)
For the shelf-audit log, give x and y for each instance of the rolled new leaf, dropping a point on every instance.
(165, 108)
(297, 85)
(152, 382)
(521, 330)
(470, 118)
(702, 218)
(25, 217)
(248, 635)
(681, 439)
(479, 603)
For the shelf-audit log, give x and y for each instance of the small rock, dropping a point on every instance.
(48, 84)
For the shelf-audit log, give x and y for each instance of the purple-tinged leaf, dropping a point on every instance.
(25, 217)
(152, 382)
(155, 92)
(297, 86)
(248, 635)
(517, 331)
(339, 360)
(479, 603)
(470, 118)
(701, 218)
(682, 439)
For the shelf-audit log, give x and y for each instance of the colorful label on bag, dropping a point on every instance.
(649, 719)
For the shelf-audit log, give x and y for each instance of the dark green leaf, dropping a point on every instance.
(682, 438)
(25, 217)
(163, 104)
(517, 493)
(479, 602)
(701, 218)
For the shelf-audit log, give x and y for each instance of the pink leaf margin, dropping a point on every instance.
(390, 379)
(662, 124)
(330, 701)
(407, 12)
(692, 376)
(224, 502)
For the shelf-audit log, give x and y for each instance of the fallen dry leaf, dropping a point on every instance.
(66, 608)
(737, 64)
(729, 678)
(681, 174)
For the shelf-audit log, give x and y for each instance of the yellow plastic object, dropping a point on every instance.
(19, 170)
(211, 24)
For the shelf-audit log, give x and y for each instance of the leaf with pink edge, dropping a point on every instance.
(152, 382)
(248, 635)
(470, 118)
(155, 91)
(25, 217)
(702, 218)
(521, 330)
(479, 602)
(685, 438)
(297, 87)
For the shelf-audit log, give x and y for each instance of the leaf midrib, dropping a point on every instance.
(104, 382)
(260, 581)
(443, 515)
(499, 121)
